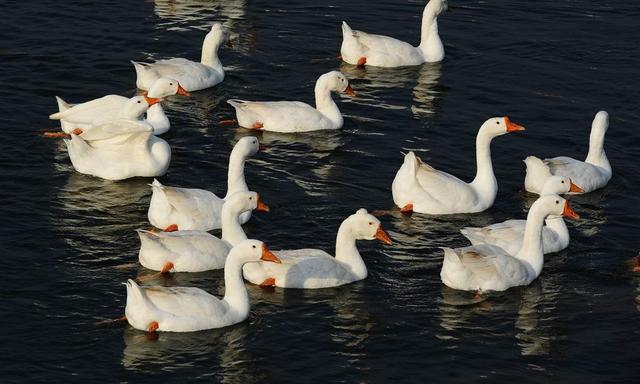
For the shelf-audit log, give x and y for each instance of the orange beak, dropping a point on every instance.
(151, 100)
(262, 206)
(511, 126)
(382, 236)
(267, 255)
(349, 91)
(568, 212)
(182, 92)
(575, 188)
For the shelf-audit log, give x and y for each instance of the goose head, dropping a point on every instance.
(336, 81)
(218, 34)
(438, 6)
(600, 122)
(559, 185)
(497, 126)
(252, 251)
(555, 205)
(364, 226)
(136, 106)
(244, 201)
(164, 87)
(247, 146)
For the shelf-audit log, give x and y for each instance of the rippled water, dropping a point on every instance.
(69, 239)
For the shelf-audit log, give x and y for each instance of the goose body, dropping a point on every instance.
(360, 48)
(295, 116)
(193, 76)
(487, 267)
(591, 174)
(509, 234)
(197, 251)
(314, 268)
(187, 309)
(421, 188)
(107, 108)
(138, 153)
(199, 209)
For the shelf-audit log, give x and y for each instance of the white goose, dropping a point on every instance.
(120, 149)
(199, 209)
(421, 188)
(360, 48)
(106, 108)
(591, 174)
(187, 309)
(295, 116)
(197, 251)
(315, 268)
(192, 76)
(488, 267)
(509, 234)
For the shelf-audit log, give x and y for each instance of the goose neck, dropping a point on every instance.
(209, 55)
(235, 292)
(485, 181)
(531, 252)
(235, 176)
(232, 231)
(347, 251)
(325, 103)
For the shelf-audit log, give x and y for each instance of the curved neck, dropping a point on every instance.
(209, 55)
(325, 104)
(158, 119)
(430, 43)
(235, 292)
(232, 231)
(531, 252)
(235, 175)
(347, 252)
(485, 182)
(596, 155)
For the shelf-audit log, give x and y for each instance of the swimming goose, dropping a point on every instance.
(508, 235)
(199, 209)
(488, 267)
(187, 309)
(197, 251)
(421, 188)
(192, 76)
(295, 116)
(119, 150)
(591, 174)
(106, 108)
(360, 48)
(315, 268)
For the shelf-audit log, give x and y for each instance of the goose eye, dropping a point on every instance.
(562, 181)
(139, 101)
(254, 246)
(170, 83)
(497, 122)
(370, 223)
(251, 198)
(557, 202)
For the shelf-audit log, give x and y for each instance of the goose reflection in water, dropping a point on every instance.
(170, 352)
(533, 306)
(103, 209)
(374, 82)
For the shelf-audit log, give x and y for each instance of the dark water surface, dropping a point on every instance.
(69, 241)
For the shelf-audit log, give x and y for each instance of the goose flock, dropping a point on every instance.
(115, 138)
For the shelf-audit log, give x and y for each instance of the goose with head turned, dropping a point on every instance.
(199, 209)
(197, 251)
(120, 149)
(421, 188)
(509, 234)
(360, 48)
(193, 76)
(107, 108)
(487, 267)
(295, 116)
(314, 268)
(187, 309)
(591, 174)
